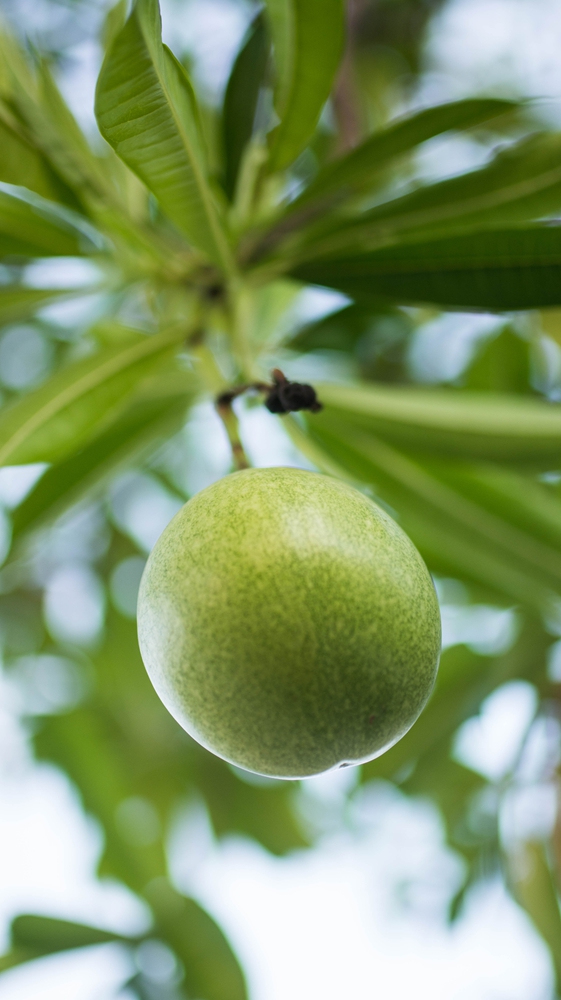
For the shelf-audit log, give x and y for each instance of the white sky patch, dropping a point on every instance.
(490, 742)
(498, 47)
(210, 31)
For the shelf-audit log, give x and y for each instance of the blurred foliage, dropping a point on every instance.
(197, 229)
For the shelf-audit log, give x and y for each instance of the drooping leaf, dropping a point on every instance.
(59, 417)
(34, 936)
(457, 535)
(506, 269)
(534, 887)
(133, 435)
(23, 164)
(519, 184)
(146, 110)
(357, 170)
(308, 43)
(19, 303)
(39, 228)
(49, 126)
(125, 745)
(473, 425)
(240, 100)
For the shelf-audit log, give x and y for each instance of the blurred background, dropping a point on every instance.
(348, 884)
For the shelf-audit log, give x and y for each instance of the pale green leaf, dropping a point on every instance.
(358, 169)
(19, 303)
(23, 164)
(468, 425)
(308, 40)
(458, 535)
(31, 226)
(535, 889)
(60, 416)
(146, 109)
(133, 435)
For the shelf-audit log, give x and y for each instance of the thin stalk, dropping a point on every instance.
(229, 419)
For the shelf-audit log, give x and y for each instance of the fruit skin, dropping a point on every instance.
(288, 623)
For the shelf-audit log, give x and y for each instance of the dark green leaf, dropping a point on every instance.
(308, 43)
(46, 935)
(508, 269)
(146, 109)
(240, 100)
(35, 936)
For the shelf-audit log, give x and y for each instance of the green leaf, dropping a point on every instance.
(308, 40)
(534, 888)
(502, 363)
(60, 416)
(49, 126)
(113, 750)
(457, 534)
(134, 435)
(35, 936)
(504, 270)
(240, 100)
(21, 163)
(465, 679)
(358, 169)
(19, 303)
(211, 969)
(521, 183)
(146, 109)
(46, 935)
(34, 227)
(468, 425)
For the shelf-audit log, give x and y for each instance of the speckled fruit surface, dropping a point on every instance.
(288, 623)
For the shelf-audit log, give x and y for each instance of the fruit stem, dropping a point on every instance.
(229, 419)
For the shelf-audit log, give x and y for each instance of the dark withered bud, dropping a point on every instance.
(287, 397)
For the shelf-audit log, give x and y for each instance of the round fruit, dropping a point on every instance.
(288, 623)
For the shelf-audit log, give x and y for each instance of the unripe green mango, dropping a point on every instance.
(288, 623)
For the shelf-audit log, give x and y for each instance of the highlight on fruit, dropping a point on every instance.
(288, 623)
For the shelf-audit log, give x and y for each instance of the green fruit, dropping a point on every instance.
(288, 623)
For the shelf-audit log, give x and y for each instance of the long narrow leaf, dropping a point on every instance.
(60, 416)
(521, 183)
(467, 425)
(133, 435)
(240, 100)
(20, 303)
(146, 109)
(503, 270)
(456, 535)
(308, 43)
(357, 170)
(37, 228)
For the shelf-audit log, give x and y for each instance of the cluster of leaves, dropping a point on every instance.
(197, 224)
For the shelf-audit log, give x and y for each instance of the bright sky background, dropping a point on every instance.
(328, 923)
